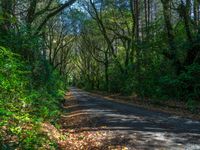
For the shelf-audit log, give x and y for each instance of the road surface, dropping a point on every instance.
(138, 128)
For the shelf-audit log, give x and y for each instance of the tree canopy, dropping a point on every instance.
(146, 48)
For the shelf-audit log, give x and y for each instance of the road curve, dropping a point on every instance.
(138, 128)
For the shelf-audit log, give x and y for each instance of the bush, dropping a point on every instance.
(186, 86)
(23, 106)
(190, 83)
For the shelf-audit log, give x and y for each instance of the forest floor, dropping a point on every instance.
(93, 122)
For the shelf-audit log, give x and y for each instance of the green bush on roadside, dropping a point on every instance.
(23, 106)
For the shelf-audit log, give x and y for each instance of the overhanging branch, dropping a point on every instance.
(55, 12)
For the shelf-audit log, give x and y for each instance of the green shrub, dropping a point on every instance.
(186, 86)
(192, 105)
(23, 106)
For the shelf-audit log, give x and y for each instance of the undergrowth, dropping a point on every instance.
(24, 106)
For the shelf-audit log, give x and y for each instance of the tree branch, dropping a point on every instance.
(50, 15)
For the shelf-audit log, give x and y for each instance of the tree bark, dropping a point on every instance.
(7, 13)
(170, 36)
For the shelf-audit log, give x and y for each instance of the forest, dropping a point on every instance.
(149, 49)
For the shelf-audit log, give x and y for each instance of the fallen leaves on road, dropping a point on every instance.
(76, 136)
(86, 140)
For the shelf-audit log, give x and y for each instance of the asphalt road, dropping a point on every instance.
(138, 128)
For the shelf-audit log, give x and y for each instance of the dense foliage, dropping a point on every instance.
(145, 48)
(148, 49)
(32, 86)
(22, 106)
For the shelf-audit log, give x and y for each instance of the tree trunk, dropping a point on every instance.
(106, 72)
(170, 36)
(7, 13)
(133, 32)
(195, 12)
(185, 14)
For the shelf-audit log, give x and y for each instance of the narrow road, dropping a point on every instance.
(138, 128)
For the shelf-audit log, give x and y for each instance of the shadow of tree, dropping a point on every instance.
(128, 126)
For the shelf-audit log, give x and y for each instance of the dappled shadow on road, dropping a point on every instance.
(130, 126)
